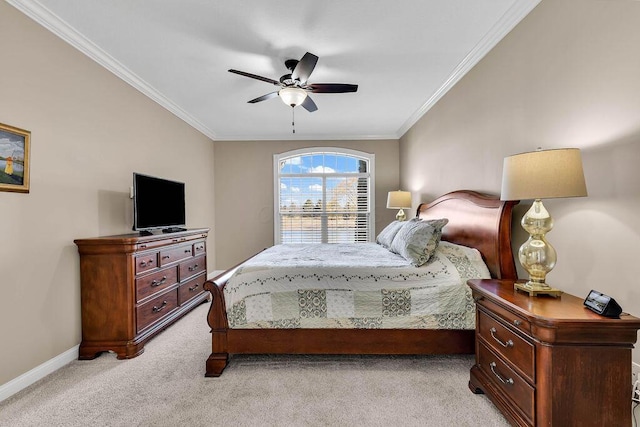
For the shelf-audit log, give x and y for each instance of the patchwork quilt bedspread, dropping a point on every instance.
(359, 285)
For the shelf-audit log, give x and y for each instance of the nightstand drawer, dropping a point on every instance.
(506, 379)
(518, 322)
(511, 346)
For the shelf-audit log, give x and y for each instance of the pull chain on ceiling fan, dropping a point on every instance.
(294, 89)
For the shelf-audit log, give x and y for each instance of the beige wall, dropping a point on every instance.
(90, 131)
(244, 191)
(566, 76)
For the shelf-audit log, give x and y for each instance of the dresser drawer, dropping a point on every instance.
(155, 282)
(168, 256)
(199, 248)
(511, 346)
(146, 262)
(193, 267)
(508, 381)
(154, 310)
(519, 322)
(191, 288)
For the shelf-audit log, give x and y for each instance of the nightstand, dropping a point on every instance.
(550, 361)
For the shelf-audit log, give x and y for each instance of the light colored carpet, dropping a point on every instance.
(165, 386)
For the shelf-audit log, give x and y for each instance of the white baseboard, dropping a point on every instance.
(25, 380)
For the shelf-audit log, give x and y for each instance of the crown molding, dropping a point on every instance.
(49, 20)
(305, 137)
(507, 22)
(60, 28)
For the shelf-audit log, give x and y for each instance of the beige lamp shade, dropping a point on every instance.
(543, 174)
(398, 199)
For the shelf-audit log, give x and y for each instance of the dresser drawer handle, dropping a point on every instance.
(508, 381)
(187, 251)
(166, 256)
(146, 263)
(507, 344)
(193, 288)
(193, 268)
(159, 282)
(159, 309)
(517, 322)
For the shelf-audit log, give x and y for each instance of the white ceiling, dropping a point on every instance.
(403, 54)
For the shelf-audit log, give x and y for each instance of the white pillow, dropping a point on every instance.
(417, 240)
(386, 236)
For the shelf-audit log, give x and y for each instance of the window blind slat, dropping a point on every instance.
(328, 200)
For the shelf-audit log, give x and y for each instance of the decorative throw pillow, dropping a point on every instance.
(386, 236)
(417, 240)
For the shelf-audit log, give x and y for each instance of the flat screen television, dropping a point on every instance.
(158, 204)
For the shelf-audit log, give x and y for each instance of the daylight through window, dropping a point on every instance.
(323, 196)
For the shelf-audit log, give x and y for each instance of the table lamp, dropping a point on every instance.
(399, 200)
(542, 174)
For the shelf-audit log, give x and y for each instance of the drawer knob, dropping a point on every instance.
(193, 268)
(508, 381)
(517, 322)
(157, 309)
(504, 344)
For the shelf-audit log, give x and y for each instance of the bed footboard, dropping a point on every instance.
(217, 319)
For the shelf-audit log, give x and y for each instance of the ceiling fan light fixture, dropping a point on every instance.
(292, 96)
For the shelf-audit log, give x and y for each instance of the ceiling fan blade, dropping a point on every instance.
(263, 97)
(255, 76)
(332, 88)
(305, 67)
(309, 105)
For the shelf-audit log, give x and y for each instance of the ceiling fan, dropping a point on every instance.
(294, 88)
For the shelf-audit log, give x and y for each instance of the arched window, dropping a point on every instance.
(324, 195)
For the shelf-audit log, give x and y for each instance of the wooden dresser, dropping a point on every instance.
(133, 287)
(548, 361)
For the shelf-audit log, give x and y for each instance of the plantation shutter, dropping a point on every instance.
(323, 197)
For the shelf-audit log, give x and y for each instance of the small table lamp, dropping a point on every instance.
(541, 174)
(399, 200)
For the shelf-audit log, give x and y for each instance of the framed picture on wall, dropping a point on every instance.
(14, 159)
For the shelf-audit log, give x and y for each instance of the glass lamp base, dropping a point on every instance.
(401, 216)
(536, 255)
(535, 289)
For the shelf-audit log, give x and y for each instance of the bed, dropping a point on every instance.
(475, 220)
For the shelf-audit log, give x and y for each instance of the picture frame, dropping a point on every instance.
(15, 147)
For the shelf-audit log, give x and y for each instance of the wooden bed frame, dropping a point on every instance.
(475, 220)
